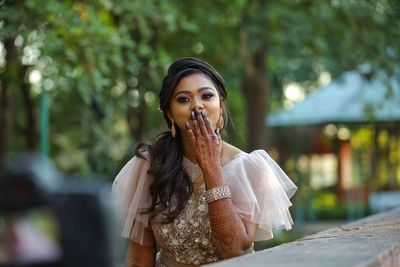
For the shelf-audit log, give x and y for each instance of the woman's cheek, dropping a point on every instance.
(181, 124)
(214, 122)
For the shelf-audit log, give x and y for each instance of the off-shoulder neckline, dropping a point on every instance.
(234, 158)
(243, 153)
(194, 171)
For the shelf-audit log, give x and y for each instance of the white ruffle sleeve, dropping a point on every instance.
(260, 192)
(130, 191)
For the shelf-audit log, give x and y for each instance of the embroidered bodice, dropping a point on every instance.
(187, 239)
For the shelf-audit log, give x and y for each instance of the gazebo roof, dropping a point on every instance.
(349, 99)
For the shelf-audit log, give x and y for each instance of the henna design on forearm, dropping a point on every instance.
(140, 256)
(137, 261)
(228, 232)
(134, 261)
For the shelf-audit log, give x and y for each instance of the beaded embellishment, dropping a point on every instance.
(192, 169)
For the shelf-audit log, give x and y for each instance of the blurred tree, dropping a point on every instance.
(253, 47)
(53, 44)
(101, 63)
(14, 88)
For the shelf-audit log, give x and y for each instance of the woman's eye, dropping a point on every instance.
(208, 96)
(182, 99)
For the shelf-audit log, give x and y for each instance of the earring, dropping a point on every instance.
(173, 130)
(221, 121)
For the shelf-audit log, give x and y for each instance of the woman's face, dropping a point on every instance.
(194, 92)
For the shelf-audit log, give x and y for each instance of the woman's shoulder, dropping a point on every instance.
(230, 152)
(257, 167)
(233, 154)
(253, 165)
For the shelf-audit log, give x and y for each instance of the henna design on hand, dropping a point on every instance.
(205, 141)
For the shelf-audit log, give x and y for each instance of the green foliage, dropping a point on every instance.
(102, 61)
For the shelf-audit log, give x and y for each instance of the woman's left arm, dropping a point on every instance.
(232, 235)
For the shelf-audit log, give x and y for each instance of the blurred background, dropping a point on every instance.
(315, 83)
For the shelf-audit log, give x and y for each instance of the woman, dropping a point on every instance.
(199, 198)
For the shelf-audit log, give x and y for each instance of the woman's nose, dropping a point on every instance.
(197, 104)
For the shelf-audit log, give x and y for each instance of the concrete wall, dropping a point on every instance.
(369, 242)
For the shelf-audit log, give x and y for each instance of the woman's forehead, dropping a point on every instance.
(194, 82)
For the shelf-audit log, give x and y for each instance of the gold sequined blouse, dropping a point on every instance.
(187, 240)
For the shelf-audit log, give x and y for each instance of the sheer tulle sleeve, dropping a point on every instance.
(260, 192)
(130, 191)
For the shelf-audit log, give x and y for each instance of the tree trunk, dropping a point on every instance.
(7, 86)
(31, 130)
(255, 91)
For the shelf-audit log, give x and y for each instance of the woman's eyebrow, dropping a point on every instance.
(206, 88)
(198, 90)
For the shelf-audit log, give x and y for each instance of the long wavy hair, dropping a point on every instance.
(171, 186)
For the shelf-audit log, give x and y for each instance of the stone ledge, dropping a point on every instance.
(370, 242)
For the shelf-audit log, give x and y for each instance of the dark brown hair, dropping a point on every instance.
(171, 186)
